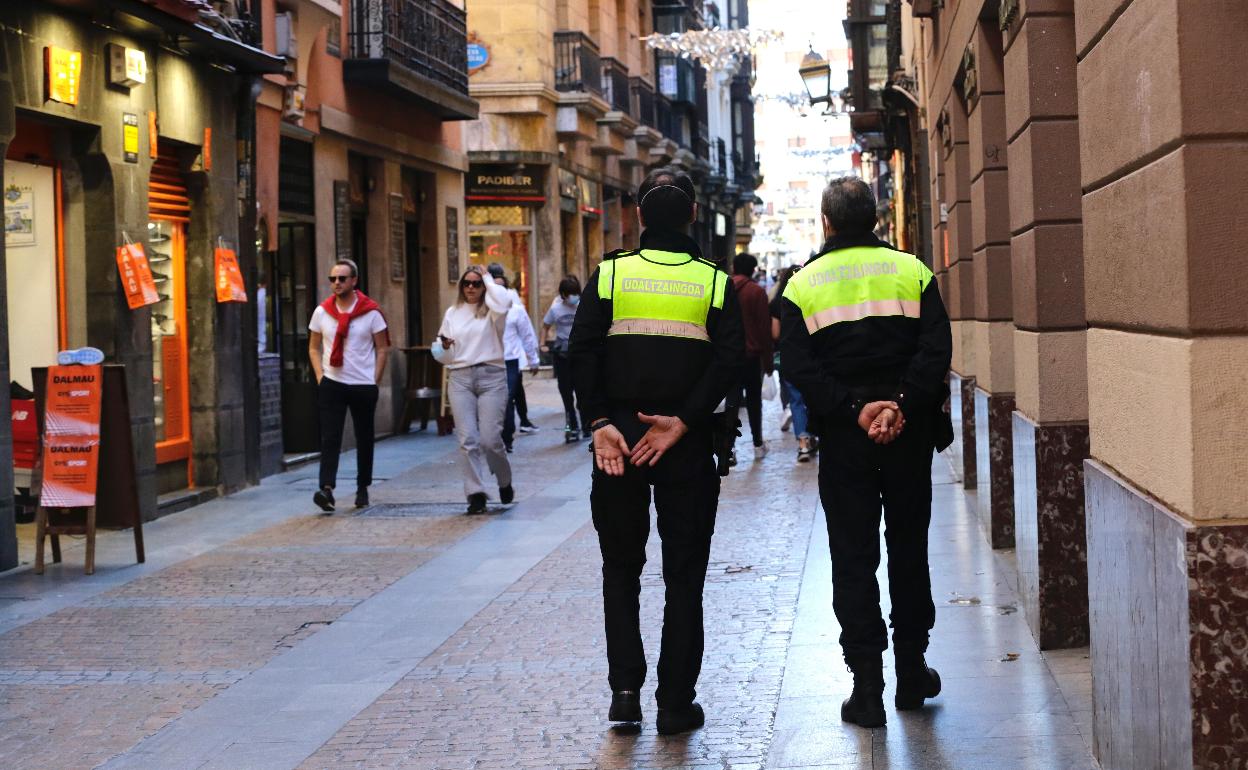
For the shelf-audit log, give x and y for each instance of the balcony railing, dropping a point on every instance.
(577, 64)
(676, 79)
(643, 102)
(427, 37)
(615, 85)
(721, 159)
(666, 120)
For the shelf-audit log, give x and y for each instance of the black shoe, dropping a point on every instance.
(324, 497)
(865, 705)
(681, 720)
(571, 436)
(587, 434)
(361, 497)
(916, 682)
(476, 503)
(509, 449)
(506, 494)
(625, 706)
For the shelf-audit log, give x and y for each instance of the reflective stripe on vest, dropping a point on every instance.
(661, 293)
(857, 283)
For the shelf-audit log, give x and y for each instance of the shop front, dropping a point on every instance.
(503, 203)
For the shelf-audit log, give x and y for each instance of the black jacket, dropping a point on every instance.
(843, 366)
(669, 375)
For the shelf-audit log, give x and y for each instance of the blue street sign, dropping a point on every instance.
(478, 56)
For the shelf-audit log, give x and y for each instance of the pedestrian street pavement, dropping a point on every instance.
(262, 635)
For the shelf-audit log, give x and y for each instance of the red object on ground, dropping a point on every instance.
(25, 433)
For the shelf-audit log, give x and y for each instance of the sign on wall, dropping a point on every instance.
(19, 215)
(342, 219)
(398, 237)
(505, 183)
(62, 74)
(130, 136)
(452, 244)
(478, 54)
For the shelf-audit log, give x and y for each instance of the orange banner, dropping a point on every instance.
(136, 276)
(230, 286)
(71, 436)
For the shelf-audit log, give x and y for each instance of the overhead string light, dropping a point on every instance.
(719, 50)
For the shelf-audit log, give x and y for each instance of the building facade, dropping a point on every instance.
(575, 108)
(1082, 163)
(359, 156)
(121, 123)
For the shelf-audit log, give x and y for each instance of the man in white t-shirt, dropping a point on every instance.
(347, 346)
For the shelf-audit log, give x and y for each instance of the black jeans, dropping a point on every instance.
(515, 401)
(333, 400)
(750, 390)
(856, 476)
(563, 374)
(686, 497)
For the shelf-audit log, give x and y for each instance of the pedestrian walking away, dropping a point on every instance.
(470, 346)
(758, 346)
(519, 351)
(866, 340)
(795, 407)
(655, 344)
(559, 319)
(347, 345)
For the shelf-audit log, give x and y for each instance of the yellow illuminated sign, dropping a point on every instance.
(64, 73)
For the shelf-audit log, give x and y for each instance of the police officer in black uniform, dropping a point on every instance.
(655, 343)
(866, 339)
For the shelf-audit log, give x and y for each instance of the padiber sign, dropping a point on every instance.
(71, 436)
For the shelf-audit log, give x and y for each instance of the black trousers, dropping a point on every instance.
(749, 390)
(856, 478)
(334, 399)
(686, 496)
(563, 375)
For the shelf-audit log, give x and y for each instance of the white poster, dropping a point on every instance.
(19, 215)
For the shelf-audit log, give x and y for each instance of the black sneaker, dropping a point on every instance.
(681, 720)
(361, 497)
(506, 494)
(324, 497)
(571, 436)
(476, 503)
(587, 434)
(509, 449)
(625, 706)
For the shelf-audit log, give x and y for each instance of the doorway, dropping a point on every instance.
(296, 280)
(359, 250)
(411, 241)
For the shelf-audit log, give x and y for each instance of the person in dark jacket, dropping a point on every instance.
(655, 344)
(757, 363)
(866, 339)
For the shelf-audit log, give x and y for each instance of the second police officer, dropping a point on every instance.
(655, 345)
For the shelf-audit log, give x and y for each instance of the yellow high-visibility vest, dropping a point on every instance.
(856, 283)
(661, 293)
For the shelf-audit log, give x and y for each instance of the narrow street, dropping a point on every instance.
(260, 635)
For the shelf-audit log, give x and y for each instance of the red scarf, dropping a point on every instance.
(362, 305)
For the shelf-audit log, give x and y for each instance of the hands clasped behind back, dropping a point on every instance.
(882, 421)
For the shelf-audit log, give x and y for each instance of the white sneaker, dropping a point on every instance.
(527, 429)
(760, 451)
(787, 422)
(85, 356)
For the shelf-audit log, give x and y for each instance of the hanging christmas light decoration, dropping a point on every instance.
(719, 50)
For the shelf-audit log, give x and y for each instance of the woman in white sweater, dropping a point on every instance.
(470, 346)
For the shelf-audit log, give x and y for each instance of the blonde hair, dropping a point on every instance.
(481, 308)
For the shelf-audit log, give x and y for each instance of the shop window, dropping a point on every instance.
(513, 216)
(503, 234)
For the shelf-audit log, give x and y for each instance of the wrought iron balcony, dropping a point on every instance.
(677, 80)
(643, 102)
(667, 121)
(615, 85)
(415, 48)
(721, 159)
(577, 64)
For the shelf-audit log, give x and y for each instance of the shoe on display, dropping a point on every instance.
(476, 503)
(760, 451)
(681, 720)
(84, 356)
(361, 497)
(787, 422)
(324, 498)
(526, 429)
(625, 706)
(506, 495)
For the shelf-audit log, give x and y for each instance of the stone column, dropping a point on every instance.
(960, 285)
(993, 329)
(1164, 151)
(1050, 432)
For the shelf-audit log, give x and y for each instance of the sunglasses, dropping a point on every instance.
(472, 284)
(339, 278)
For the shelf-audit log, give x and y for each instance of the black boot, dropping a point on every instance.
(625, 706)
(865, 705)
(916, 682)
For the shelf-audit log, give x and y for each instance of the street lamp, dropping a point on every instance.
(817, 77)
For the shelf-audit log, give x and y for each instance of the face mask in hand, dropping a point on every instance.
(573, 299)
